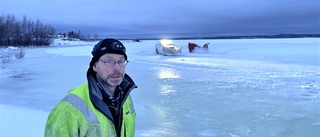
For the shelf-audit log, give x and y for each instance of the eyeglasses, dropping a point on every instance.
(111, 62)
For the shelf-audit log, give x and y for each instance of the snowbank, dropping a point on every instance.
(71, 42)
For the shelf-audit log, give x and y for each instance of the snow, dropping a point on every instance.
(241, 87)
(21, 122)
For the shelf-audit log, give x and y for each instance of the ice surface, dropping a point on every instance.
(240, 88)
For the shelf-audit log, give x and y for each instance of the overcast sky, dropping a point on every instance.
(171, 18)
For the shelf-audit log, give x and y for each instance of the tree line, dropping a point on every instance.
(24, 32)
(77, 35)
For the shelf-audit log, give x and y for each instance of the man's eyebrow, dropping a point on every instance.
(109, 57)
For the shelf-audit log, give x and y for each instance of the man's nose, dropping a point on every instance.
(116, 67)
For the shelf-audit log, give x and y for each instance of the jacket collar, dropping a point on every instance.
(96, 96)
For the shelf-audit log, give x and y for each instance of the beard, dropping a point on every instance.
(114, 79)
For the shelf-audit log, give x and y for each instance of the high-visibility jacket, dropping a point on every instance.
(83, 114)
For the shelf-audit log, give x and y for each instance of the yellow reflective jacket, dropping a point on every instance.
(83, 114)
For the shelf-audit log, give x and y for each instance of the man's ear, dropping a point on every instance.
(94, 67)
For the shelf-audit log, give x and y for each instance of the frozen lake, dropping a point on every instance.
(240, 88)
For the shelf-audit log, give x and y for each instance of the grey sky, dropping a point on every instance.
(171, 18)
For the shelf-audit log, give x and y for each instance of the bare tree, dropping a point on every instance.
(25, 32)
(96, 36)
(88, 36)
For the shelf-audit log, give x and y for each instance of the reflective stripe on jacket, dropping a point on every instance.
(76, 116)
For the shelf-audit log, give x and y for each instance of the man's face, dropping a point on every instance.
(109, 69)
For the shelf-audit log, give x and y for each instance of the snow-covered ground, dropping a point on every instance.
(240, 88)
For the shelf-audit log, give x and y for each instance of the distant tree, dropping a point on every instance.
(2, 32)
(23, 29)
(84, 37)
(26, 32)
(70, 34)
(78, 35)
(96, 36)
(9, 29)
(88, 36)
(75, 35)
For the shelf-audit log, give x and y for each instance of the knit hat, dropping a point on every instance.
(108, 45)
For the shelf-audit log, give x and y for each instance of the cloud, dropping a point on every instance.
(172, 18)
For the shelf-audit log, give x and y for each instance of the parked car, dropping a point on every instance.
(167, 47)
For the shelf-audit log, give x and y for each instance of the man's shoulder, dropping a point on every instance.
(81, 91)
(80, 88)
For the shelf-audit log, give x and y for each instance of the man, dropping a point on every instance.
(102, 107)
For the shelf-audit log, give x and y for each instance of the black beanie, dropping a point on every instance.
(108, 45)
